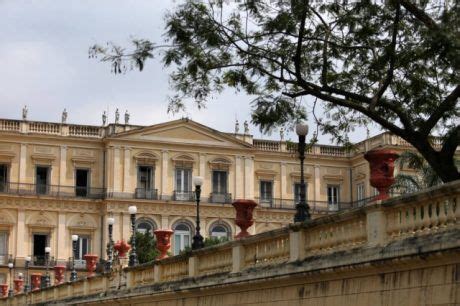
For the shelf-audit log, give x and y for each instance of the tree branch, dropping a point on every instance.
(449, 102)
(420, 14)
(392, 55)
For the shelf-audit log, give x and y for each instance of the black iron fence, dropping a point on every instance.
(219, 197)
(52, 190)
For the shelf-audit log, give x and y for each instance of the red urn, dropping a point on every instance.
(91, 261)
(4, 288)
(163, 241)
(122, 248)
(382, 164)
(59, 272)
(18, 285)
(244, 210)
(36, 279)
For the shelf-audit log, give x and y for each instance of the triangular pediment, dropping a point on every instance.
(184, 132)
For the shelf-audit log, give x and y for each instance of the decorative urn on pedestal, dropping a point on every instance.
(18, 285)
(163, 237)
(36, 279)
(91, 261)
(4, 290)
(122, 248)
(59, 271)
(244, 210)
(382, 164)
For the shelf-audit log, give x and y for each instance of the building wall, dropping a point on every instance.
(112, 159)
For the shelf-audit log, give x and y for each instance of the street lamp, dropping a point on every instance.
(10, 267)
(73, 274)
(197, 239)
(110, 222)
(47, 260)
(27, 263)
(132, 255)
(302, 209)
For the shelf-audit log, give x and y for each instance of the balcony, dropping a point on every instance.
(187, 196)
(218, 197)
(148, 194)
(51, 190)
(315, 206)
(5, 259)
(40, 261)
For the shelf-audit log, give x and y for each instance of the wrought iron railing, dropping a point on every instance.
(52, 190)
(219, 197)
(142, 193)
(188, 196)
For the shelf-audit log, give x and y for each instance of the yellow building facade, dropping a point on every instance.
(59, 179)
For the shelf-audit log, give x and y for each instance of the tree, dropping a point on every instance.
(395, 64)
(145, 247)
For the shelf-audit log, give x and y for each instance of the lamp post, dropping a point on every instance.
(132, 255)
(47, 260)
(302, 209)
(73, 274)
(27, 263)
(110, 222)
(197, 239)
(10, 267)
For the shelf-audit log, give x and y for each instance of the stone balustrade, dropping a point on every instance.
(433, 211)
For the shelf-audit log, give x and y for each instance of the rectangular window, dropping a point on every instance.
(40, 242)
(83, 247)
(145, 177)
(3, 248)
(81, 182)
(183, 184)
(181, 241)
(333, 192)
(219, 182)
(266, 191)
(3, 178)
(297, 192)
(42, 179)
(360, 193)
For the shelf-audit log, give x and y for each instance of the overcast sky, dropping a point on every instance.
(45, 65)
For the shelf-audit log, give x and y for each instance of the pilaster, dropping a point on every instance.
(116, 169)
(61, 241)
(22, 163)
(164, 174)
(63, 166)
(127, 170)
(317, 178)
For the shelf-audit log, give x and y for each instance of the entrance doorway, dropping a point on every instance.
(81, 182)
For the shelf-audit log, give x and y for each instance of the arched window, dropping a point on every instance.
(144, 225)
(182, 236)
(220, 230)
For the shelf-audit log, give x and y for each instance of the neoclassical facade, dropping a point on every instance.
(59, 179)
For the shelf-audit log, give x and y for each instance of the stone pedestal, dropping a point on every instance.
(381, 162)
(91, 261)
(163, 237)
(59, 272)
(36, 280)
(244, 210)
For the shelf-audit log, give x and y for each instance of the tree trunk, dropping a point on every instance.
(443, 165)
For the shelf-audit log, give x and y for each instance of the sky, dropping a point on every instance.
(45, 65)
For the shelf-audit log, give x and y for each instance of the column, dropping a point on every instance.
(21, 242)
(164, 174)
(248, 177)
(283, 181)
(63, 166)
(164, 222)
(22, 163)
(126, 226)
(202, 169)
(116, 169)
(61, 240)
(317, 184)
(239, 187)
(127, 170)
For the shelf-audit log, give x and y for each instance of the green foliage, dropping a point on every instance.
(145, 247)
(424, 176)
(395, 64)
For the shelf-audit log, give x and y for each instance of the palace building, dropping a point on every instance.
(59, 179)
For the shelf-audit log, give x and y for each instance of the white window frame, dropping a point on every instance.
(181, 234)
(333, 197)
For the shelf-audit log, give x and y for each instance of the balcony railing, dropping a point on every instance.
(218, 197)
(188, 196)
(5, 258)
(40, 261)
(315, 206)
(52, 190)
(149, 194)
